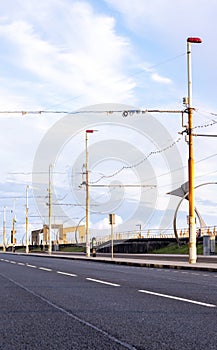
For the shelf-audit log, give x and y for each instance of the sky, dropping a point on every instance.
(78, 61)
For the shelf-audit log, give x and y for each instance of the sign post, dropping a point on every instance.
(112, 223)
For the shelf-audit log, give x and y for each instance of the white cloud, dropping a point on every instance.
(163, 27)
(159, 79)
(59, 50)
(104, 223)
(85, 57)
(165, 17)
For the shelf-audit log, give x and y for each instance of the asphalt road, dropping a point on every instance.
(50, 303)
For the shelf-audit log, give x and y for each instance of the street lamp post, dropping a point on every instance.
(4, 231)
(27, 221)
(13, 231)
(192, 226)
(140, 230)
(87, 192)
(50, 209)
(112, 223)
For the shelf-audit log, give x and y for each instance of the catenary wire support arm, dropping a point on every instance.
(149, 186)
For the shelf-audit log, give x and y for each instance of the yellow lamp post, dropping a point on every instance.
(192, 224)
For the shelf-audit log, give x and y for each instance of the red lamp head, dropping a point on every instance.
(194, 40)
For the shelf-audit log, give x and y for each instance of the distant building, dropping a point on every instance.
(35, 236)
(63, 235)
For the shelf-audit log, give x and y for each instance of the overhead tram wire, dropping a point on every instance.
(144, 70)
(136, 164)
(21, 197)
(207, 112)
(183, 167)
(131, 112)
(204, 135)
(124, 112)
(141, 71)
(205, 115)
(214, 122)
(205, 125)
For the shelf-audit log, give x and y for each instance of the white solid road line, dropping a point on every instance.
(103, 282)
(66, 274)
(177, 298)
(81, 321)
(44, 269)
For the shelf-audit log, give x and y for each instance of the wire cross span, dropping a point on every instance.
(125, 113)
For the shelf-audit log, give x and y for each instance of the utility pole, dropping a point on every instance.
(27, 221)
(50, 209)
(87, 197)
(192, 225)
(4, 230)
(13, 239)
(13, 231)
(87, 192)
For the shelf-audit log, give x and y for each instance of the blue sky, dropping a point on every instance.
(69, 55)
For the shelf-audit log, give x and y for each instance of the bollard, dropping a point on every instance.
(94, 252)
(94, 247)
(206, 245)
(212, 245)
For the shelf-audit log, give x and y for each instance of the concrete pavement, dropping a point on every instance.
(149, 260)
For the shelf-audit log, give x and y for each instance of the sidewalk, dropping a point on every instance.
(149, 261)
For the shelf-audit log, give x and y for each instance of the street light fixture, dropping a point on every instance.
(87, 192)
(192, 226)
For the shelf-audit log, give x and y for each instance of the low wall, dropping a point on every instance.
(139, 246)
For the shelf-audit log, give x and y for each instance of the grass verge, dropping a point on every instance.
(173, 248)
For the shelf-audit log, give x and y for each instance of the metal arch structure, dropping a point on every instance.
(184, 197)
(76, 230)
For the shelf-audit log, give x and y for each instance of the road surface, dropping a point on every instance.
(50, 303)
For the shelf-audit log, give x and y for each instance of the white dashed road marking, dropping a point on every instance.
(45, 269)
(103, 282)
(66, 274)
